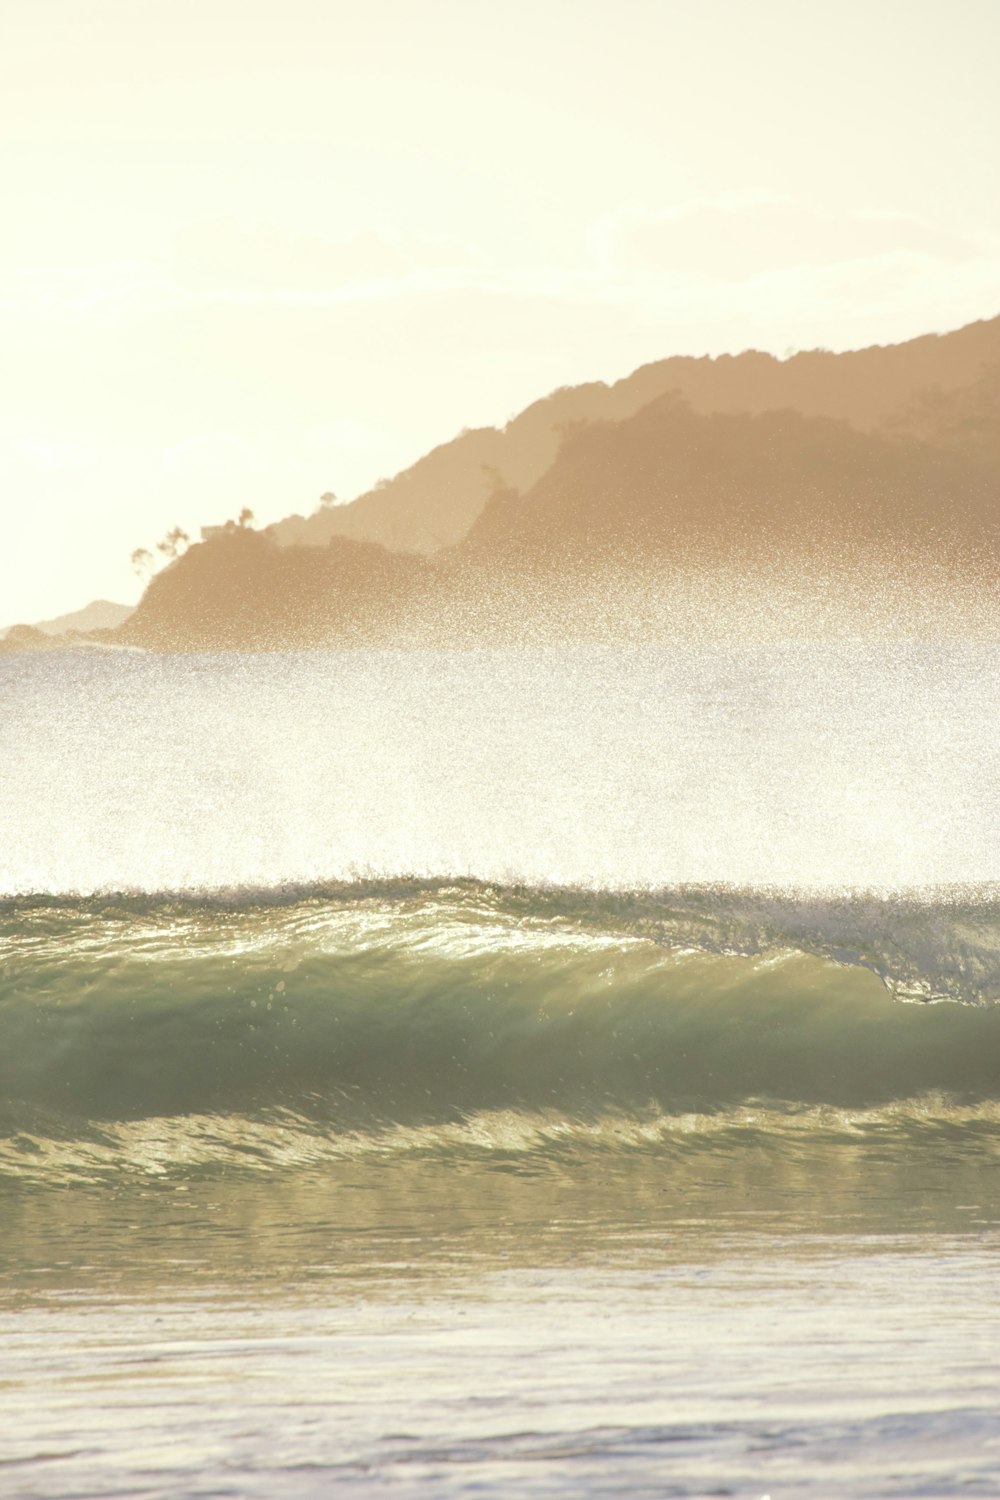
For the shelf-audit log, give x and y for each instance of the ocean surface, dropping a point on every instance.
(565, 1073)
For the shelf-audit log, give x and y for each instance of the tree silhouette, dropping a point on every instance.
(174, 543)
(169, 546)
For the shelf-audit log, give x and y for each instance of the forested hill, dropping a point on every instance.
(855, 493)
(433, 504)
(667, 524)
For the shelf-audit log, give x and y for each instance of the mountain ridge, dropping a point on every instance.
(431, 505)
(99, 614)
(659, 521)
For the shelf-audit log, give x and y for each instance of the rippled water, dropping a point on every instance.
(747, 1320)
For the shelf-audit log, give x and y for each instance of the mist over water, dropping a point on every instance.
(798, 766)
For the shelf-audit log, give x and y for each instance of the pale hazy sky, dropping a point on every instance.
(258, 249)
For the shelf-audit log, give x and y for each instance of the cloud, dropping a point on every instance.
(51, 454)
(725, 268)
(227, 256)
(208, 457)
(734, 239)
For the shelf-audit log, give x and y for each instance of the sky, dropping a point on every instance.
(256, 250)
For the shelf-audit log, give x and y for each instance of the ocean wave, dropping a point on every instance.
(288, 1025)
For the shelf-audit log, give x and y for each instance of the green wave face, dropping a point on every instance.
(156, 1034)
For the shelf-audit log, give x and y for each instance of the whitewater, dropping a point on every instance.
(571, 1071)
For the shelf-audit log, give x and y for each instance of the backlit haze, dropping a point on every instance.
(257, 252)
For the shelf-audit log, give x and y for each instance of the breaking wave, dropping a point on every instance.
(275, 1028)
